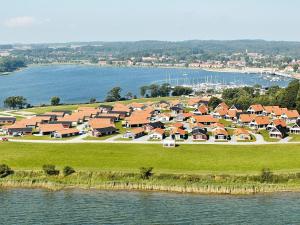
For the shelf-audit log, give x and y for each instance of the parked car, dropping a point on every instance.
(4, 139)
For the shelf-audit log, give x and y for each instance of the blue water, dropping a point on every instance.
(79, 83)
(22, 206)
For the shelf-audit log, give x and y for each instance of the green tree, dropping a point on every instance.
(180, 90)
(214, 102)
(55, 100)
(295, 67)
(5, 170)
(93, 100)
(129, 95)
(266, 175)
(289, 96)
(146, 172)
(15, 102)
(165, 90)
(143, 90)
(68, 170)
(50, 170)
(114, 94)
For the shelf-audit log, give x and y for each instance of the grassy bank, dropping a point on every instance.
(208, 184)
(185, 159)
(188, 168)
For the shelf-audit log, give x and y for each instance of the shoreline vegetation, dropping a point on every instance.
(209, 184)
(186, 169)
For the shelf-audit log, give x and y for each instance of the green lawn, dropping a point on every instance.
(295, 137)
(266, 136)
(189, 159)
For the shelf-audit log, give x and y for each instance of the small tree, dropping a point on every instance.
(68, 170)
(55, 100)
(146, 172)
(266, 175)
(50, 170)
(93, 100)
(5, 170)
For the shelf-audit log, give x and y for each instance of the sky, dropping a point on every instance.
(41, 21)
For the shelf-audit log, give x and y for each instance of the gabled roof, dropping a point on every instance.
(291, 114)
(256, 107)
(246, 118)
(220, 131)
(158, 130)
(179, 131)
(205, 119)
(100, 123)
(202, 109)
(261, 120)
(240, 131)
(50, 127)
(121, 108)
(178, 125)
(67, 131)
(137, 130)
(278, 122)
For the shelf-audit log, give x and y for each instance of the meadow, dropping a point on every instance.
(185, 159)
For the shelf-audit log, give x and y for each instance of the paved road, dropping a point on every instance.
(111, 141)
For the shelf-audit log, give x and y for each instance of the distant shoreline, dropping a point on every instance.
(249, 70)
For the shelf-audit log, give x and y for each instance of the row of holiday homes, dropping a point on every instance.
(159, 120)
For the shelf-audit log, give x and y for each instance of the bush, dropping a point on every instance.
(68, 171)
(266, 175)
(146, 172)
(5, 170)
(50, 170)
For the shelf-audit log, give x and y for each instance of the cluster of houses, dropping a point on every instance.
(178, 119)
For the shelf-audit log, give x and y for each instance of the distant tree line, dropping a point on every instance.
(164, 90)
(243, 97)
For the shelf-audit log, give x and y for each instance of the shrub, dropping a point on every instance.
(5, 170)
(68, 170)
(266, 175)
(50, 170)
(146, 172)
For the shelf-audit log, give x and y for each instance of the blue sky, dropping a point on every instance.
(35, 21)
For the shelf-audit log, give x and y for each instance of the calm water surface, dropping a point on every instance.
(22, 206)
(79, 83)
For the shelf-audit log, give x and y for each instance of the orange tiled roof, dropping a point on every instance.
(262, 120)
(220, 131)
(158, 130)
(280, 122)
(68, 131)
(100, 123)
(203, 109)
(257, 107)
(50, 127)
(246, 118)
(205, 119)
(291, 113)
(240, 131)
(137, 130)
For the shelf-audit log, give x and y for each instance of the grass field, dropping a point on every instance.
(266, 136)
(186, 159)
(295, 137)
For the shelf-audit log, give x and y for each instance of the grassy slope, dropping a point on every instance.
(192, 159)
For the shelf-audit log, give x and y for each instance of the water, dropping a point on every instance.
(23, 206)
(79, 83)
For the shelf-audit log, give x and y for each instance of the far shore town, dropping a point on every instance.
(181, 120)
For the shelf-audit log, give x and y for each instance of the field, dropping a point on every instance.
(185, 159)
